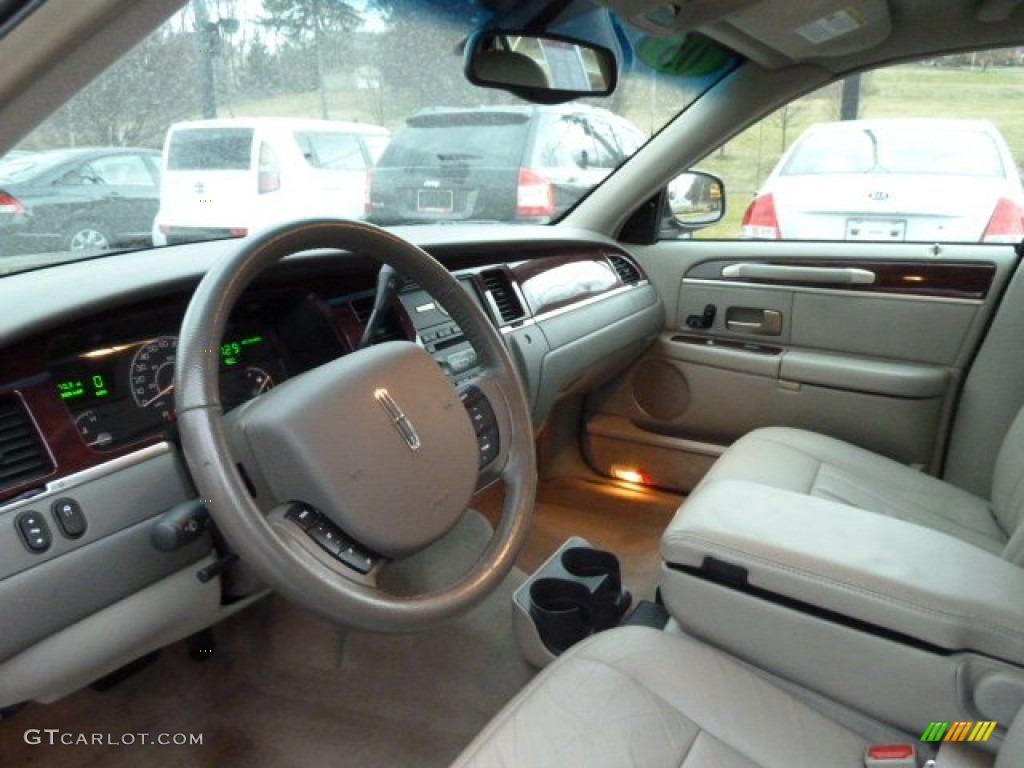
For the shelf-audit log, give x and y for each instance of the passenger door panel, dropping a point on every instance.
(867, 343)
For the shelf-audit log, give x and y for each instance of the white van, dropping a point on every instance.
(227, 177)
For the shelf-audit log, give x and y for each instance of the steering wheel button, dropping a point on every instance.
(303, 516)
(34, 531)
(69, 517)
(488, 446)
(356, 560)
(327, 536)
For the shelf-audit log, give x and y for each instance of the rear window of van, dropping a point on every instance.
(210, 149)
(331, 151)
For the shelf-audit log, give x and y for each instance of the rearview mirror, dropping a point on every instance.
(546, 69)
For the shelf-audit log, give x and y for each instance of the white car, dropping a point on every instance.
(911, 179)
(224, 178)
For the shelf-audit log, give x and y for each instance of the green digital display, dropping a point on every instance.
(92, 387)
(235, 351)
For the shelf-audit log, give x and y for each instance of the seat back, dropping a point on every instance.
(1008, 489)
(1011, 753)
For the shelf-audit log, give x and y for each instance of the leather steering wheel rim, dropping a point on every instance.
(263, 544)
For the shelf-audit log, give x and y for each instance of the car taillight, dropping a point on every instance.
(10, 204)
(367, 196)
(534, 196)
(269, 179)
(1006, 224)
(760, 221)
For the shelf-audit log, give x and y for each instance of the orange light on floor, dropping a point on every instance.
(630, 475)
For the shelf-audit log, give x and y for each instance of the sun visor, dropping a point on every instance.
(772, 34)
(815, 30)
(668, 19)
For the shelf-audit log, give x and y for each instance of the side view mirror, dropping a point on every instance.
(696, 199)
(545, 69)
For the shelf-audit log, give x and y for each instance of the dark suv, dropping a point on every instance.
(526, 163)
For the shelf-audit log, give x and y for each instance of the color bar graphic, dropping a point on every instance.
(959, 730)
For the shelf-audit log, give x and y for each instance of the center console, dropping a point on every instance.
(440, 334)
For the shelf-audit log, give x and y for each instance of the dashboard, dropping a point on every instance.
(90, 465)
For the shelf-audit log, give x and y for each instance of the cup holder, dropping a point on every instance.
(561, 611)
(576, 593)
(600, 570)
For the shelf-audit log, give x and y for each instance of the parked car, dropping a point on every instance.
(223, 178)
(77, 199)
(892, 179)
(497, 163)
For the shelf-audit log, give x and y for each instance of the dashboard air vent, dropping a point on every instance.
(625, 269)
(23, 455)
(506, 301)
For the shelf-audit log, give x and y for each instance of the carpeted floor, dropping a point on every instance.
(286, 688)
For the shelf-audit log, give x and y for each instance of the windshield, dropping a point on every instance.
(236, 115)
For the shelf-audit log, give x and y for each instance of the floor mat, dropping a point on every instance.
(287, 688)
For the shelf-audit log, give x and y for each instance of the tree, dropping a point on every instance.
(309, 23)
(133, 102)
(411, 71)
(259, 75)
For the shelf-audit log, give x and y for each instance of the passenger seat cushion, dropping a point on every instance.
(820, 466)
(638, 696)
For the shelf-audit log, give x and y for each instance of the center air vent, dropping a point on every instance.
(503, 295)
(23, 455)
(625, 269)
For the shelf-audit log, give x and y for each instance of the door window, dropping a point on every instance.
(121, 170)
(919, 152)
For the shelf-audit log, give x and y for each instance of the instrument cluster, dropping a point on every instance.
(115, 375)
(124, 391)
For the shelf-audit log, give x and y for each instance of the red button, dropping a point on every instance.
(891, 751)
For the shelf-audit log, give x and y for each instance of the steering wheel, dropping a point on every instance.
(320, 482)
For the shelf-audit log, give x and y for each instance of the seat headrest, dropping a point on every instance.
(510, 67)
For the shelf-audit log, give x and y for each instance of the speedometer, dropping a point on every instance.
(152, 376)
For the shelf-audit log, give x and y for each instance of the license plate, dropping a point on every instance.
(435, 201)
(876, 229)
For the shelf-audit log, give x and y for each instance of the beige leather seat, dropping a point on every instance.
(819, 466)
(796, 540)
(641, 697)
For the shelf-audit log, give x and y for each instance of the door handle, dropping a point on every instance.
(762, 322)
(779, 273)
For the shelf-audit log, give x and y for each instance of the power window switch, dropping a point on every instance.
(34, 532)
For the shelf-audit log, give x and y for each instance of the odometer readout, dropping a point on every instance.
(85, 386)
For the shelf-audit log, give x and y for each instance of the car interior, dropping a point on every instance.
(592, 492)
